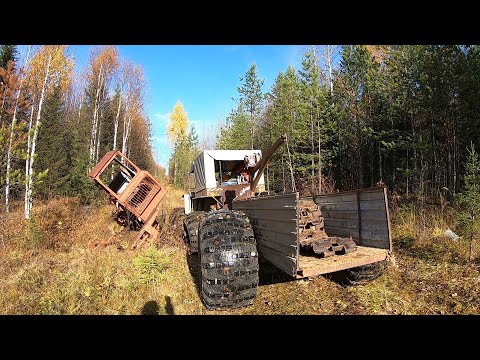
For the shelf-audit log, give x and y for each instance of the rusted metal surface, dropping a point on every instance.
(134, 191)
(360, 214)
(284, 224)
(275, 224)
(330, 246)
(312, 236)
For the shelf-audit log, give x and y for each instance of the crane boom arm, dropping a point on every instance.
(263, 162)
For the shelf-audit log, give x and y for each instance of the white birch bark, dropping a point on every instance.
(95, 116)
(126, 125)
(117, 117)
(27, 162)
(79, 109)
(10, 142)
(115, 125)
(99, 123)
(29, 180)
(126, 134)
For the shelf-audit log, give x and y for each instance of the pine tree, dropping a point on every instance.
(236, 134)
(283, 115)
(251, 97)
(54, 146)
(469, 199)
(8, 53)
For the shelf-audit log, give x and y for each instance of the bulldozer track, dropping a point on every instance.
(314, 239)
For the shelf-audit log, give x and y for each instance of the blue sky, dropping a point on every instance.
(203, 77)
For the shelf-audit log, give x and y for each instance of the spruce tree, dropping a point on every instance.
(469, 199)
(7, 53)
(251, 97)
(54, 147)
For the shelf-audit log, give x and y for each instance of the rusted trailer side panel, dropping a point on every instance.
(361, 214)
(275, 223)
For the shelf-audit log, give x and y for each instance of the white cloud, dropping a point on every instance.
(163, 117)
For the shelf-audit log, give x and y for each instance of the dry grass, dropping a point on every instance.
(46, 267)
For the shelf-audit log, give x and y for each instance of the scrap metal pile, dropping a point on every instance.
(313, 237)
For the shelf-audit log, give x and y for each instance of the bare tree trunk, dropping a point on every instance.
(434, 179)
(10, 142)
(115, 125)
(329, 65)
(328, 57)
(380, 172)
(252, 118)
(29, 180)
(455, 160)
(408, 172)
(95, 115)
(415, 155)
(79, 108)
(126, 129)
(312, 151)
(27, 162)
(291, 168)
(319, 158)
(97, 147)
(470, 256)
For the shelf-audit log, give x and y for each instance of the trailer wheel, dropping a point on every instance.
(363, 274)
(228, 260)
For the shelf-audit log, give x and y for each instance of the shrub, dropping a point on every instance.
(469, 200)
(151, 266)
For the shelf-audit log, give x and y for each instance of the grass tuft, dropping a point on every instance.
(151, 265)
(46, 267)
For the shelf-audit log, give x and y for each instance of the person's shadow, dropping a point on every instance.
(169, 306)
(151, 307)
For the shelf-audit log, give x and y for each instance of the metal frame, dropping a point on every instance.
(281, 247)
(141, 197)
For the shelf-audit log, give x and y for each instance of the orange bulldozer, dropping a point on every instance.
(135, 193)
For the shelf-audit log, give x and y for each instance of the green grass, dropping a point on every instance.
(50, 270)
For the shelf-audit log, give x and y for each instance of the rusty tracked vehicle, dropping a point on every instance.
(230, 220)
(135, 193)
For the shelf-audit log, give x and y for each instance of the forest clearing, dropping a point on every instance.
(400, 118)
(50, 270)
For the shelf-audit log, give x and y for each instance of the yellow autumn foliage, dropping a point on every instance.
(60, 69)
(178, 126)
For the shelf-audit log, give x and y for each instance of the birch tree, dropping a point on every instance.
(103, 63)
(17, 100)
(49, 67)
(329, 55)
(134, 92)
(122, 79)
